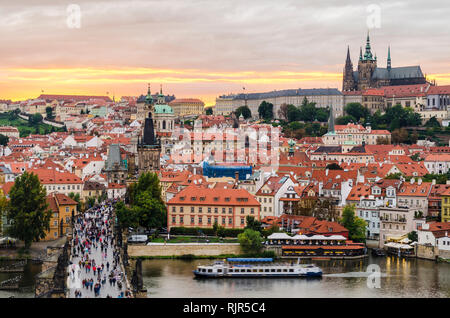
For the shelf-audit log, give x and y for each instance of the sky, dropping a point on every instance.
(207, 48)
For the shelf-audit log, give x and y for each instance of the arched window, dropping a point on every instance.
(164, 124)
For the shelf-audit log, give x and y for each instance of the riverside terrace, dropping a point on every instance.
(334, 246)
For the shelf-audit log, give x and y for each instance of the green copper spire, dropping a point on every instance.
(389, 58)
(148, 98)
(368, 53)
(360, 53)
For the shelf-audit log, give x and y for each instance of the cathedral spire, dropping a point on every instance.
(360, 53)
(368, 53)
(389, 58)
(348, 55)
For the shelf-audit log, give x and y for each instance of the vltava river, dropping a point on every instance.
(399, 278)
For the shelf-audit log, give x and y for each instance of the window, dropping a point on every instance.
(192, 209)
(174, 219)
(192, 220)
(252, 210)
(181, 209)
(209, 220)
(216, 210)
(242, 221)
(181, 219)
(200, 220)
(209, 210)
(230, 221)
(242, 210)
(230, 210)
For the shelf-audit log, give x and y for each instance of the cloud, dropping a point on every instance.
(225, 37)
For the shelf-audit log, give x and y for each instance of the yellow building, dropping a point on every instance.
(197, 206)
(62, 208)
(445, 210)
(187, 106)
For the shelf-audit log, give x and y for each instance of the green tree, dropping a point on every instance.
(253, 224)
(146, 208)
(250, 241)
(432, 122)
(322, 115)
(35, 119)
(127, 217)
(356, 226)
(293, 113)
(265, 110)
(357, 111)
(208, 111)
(49, 112)
(245, 111)
(308, 112)
(76, 197)
(28, 209)
(334, 166)
(413, 236)
(344, 120)
(4, 140)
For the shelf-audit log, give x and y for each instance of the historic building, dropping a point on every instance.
(187, 107)
(115, 168)
(369, 75)
(148, 147)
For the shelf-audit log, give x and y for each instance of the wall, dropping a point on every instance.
(198, 249)
(428, 252)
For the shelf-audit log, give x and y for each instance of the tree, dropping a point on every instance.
(400, 136)
(357, 111)
(322, 115)
(283, 111)
(28, 209)
(245, 111)
(356, 226)
(49, 111)
(432, 122)
(344, 120)
(146, 207)
(4, 204)
(334, 166)
(250, 241)
(253, 224)
(76, 197)
(413, 236)
(308, 112)
(35, 119)
(265, 110)
(4, 140)
(293, 113)
(208, 111)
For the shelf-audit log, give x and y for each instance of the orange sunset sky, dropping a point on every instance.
(204, 49)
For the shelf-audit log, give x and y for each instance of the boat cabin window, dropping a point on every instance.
(261, 270)
(291, 270)
(284, 270)
(203, 270)
(273, 270)
(267, 270)
(278, 270)
(219, 271)
(209, 270)
(255, 270)
(249, 270)
(231, 270)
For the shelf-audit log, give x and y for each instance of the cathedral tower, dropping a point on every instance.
(348, 83)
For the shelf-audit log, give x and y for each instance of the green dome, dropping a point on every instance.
(163, 109)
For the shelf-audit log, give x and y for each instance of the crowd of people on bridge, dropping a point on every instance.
(93, 242)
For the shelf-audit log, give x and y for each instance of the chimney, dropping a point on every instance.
(412, 180)
(419, 182)
(433, 182)
(326, 172)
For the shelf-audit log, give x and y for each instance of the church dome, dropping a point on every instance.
(163, 109)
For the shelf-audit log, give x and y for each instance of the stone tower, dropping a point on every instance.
(366, 66)
(148, 148)
(349, 83)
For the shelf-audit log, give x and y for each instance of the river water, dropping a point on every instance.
(342, 278)
(26, 283)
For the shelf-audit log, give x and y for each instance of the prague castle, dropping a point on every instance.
(369, 75)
